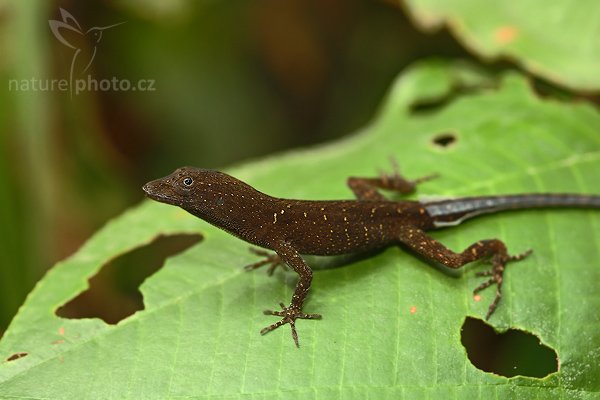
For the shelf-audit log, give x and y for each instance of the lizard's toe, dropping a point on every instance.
(289, 316)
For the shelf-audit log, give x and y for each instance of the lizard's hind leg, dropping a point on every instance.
(494, 249)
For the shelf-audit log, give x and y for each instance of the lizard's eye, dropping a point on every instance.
(188, 181)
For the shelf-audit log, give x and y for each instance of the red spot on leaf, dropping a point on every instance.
(506, 34)
(477, 297)
(413, 309)
(61, 331)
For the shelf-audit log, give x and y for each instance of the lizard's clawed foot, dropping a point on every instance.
(289, 316)
(496, 275)
(269, 258)
(395, 180)
(426, 178)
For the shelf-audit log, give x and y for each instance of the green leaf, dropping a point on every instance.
(557, 40)
(198, 335)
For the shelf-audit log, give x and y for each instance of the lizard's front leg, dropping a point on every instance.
(273, 260)
(493, 249)
(292, 312)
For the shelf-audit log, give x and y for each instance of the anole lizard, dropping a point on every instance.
(295, 227)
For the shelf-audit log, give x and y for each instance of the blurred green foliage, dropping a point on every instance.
(556, 40)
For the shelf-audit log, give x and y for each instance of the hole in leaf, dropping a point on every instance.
(444, 139)
(113, 293)
(511, 353)
(16, 356)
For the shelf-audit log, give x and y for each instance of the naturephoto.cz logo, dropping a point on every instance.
(85, 45)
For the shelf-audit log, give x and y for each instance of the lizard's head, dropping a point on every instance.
(206, 193)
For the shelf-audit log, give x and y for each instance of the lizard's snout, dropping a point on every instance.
(161, 190)
(147, 188)
(152, 189)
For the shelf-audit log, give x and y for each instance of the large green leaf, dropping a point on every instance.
(198, 335)
(557, 40)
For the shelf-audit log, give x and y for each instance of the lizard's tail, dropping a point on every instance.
(453, 212)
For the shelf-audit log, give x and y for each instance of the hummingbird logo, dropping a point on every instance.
(69, 32)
